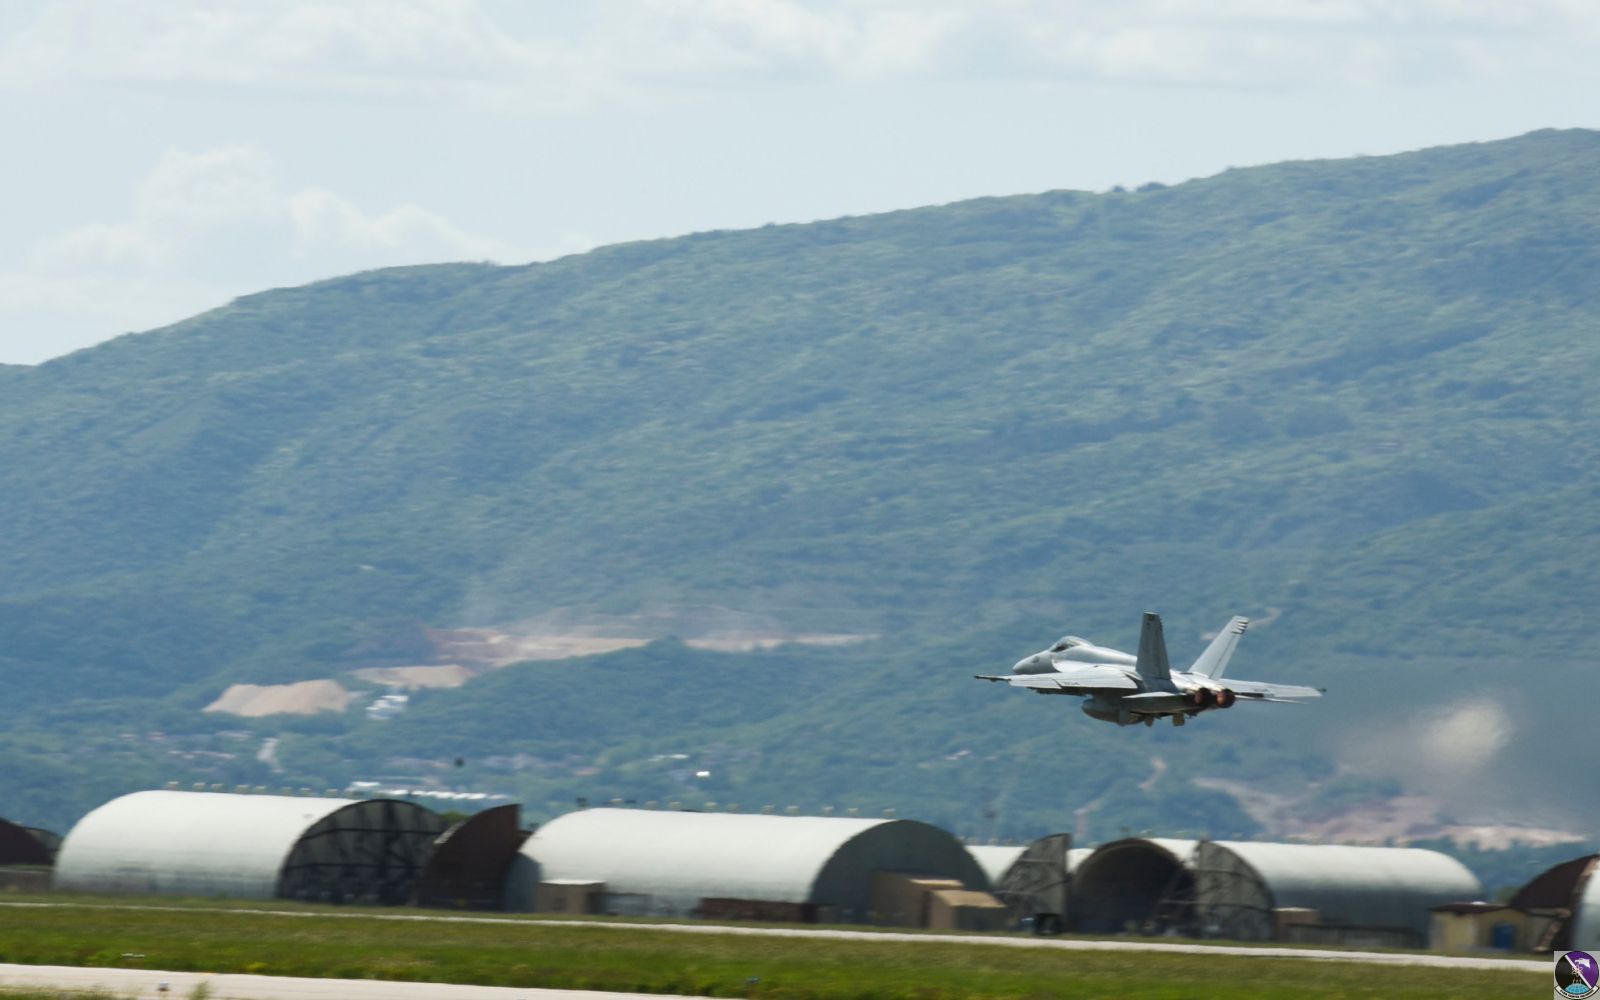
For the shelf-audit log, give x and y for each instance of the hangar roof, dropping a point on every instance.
(218, 844)
(1125, 882)
(204, 843)
(1374, 887)
(1586, 917)
(679, 858)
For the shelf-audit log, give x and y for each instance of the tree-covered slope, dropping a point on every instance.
(1356, 392)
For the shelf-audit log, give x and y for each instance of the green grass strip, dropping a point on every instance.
(540, 955)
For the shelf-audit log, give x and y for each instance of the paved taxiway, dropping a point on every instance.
(145, 983)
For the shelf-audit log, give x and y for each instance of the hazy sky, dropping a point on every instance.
(163, 156)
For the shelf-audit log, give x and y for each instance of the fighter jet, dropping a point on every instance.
(1131, 689)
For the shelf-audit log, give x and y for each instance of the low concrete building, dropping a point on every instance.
(902, 900)
(574, 896)
(965, 910)
(1477, 925)
(1558, 910)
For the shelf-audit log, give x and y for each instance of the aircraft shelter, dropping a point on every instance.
(1323, 893)
(1254, 891)
(26, 845)
(1033, 881)
(1134, 884)
(1557, 910)
(250, 847)
(469, 863)
(732, 866)
(803, 868)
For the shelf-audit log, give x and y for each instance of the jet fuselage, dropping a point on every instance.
(1127, 689)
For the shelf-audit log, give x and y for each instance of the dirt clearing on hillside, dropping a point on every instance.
(304, 698)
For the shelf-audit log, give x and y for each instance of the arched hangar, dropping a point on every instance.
(469, 863)
(804, 868)
(1586, 916)
(1561, 907)
(1143, 884)
(1332, 893)
(250, 847)
(26, 845)
(26, 854)
(1252, 891)
(1032, 881)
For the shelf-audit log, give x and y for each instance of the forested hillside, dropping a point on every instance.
(1352, 398)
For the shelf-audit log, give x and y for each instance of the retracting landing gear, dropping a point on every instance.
(1179, 719)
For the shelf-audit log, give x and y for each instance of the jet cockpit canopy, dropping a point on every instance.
(1066, 642)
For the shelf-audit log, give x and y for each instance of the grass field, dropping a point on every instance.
(535, 954)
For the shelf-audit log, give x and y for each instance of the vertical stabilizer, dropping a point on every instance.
(1152, 661)
(1215, 659)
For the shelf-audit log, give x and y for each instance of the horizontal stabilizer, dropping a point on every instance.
(1261, 691)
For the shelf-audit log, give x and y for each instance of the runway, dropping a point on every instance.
(1143, 946)
(147, 983)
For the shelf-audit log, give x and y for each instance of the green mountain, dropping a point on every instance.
(1349, 398)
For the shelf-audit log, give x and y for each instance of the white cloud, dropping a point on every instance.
(224, 210)
(359, 45)
(204, 227)
(372, 88)
(543, 56)
(361, 49)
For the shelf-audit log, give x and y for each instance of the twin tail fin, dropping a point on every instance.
(1152, 659)
(1215, 659)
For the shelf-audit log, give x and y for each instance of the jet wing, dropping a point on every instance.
(1261, 691)
(1075, 679)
